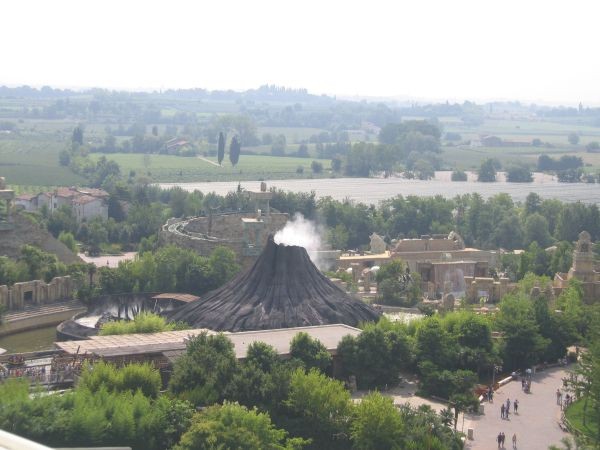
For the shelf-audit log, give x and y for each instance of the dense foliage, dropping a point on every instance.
(233, 426)
(110, 415)
(170, 269)
(35, 264)
(397, 286)
(144, 322)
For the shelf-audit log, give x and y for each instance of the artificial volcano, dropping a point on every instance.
(282, 289)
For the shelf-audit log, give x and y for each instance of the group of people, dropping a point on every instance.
(526, 385)
(490, 394)
(563, 403)
(505, 408)
(501, 438)
(56, 372)
(34, 374)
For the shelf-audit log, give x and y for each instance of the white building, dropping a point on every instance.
(85, 203)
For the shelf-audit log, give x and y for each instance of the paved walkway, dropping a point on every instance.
(108, 261)
(536, 423)
(405, 393)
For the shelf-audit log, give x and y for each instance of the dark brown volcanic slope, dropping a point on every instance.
(282, 289)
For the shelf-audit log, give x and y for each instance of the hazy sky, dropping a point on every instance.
(449, 49)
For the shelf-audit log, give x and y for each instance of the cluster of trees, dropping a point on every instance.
(170, 269)
(109, 407)
(263, 401)
(296, 395)
(35, 264)
(584, 384)
(397, 286)
(568, 168)
(412, 146)
(492, 223)
(484, 223)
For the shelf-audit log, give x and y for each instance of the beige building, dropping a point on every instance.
(442, 261)
(583, 269)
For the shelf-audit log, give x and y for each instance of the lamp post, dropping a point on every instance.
(497, 369)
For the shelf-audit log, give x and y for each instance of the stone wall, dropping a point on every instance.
(227, 230)
(36, 292)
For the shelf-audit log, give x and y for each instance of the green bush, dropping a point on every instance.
(234, 426)
(91, 418)
(144, 322)
(130, 378)
(311, 352)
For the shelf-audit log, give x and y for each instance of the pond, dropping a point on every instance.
(30, 341)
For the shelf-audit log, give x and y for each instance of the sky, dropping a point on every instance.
(527, 50)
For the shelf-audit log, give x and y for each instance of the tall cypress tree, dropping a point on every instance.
(234, 151)
(221, 148)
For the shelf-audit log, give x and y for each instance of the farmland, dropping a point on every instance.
(34, 161)
(40, 127)
(168, 168)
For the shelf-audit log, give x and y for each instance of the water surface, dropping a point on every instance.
(30, 341)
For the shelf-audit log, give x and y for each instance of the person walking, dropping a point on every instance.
(507, 407)
(516, 405)
(502, 411)
(502, 438)
(499, 439)
(514, 441)
(558, 397)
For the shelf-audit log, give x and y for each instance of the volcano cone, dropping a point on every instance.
(282, 289)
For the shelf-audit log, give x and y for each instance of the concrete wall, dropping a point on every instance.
(41, 320)
(14, 298)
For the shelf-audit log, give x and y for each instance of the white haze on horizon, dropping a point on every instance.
(536, 50)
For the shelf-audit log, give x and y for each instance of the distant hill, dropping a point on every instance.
(26, 231)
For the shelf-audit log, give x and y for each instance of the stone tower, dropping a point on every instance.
(583, 259)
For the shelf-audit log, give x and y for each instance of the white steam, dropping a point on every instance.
(302, 233)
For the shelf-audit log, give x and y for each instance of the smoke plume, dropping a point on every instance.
(302, 233)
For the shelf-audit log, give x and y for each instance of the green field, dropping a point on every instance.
(166, 168)
(29, 153)
(293, 135)
(34, 161)
(554, 134)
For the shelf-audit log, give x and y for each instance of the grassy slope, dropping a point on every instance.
(574, 415)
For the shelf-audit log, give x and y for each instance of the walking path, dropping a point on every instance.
(209, 161)
(536, 423)
(111, 261)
